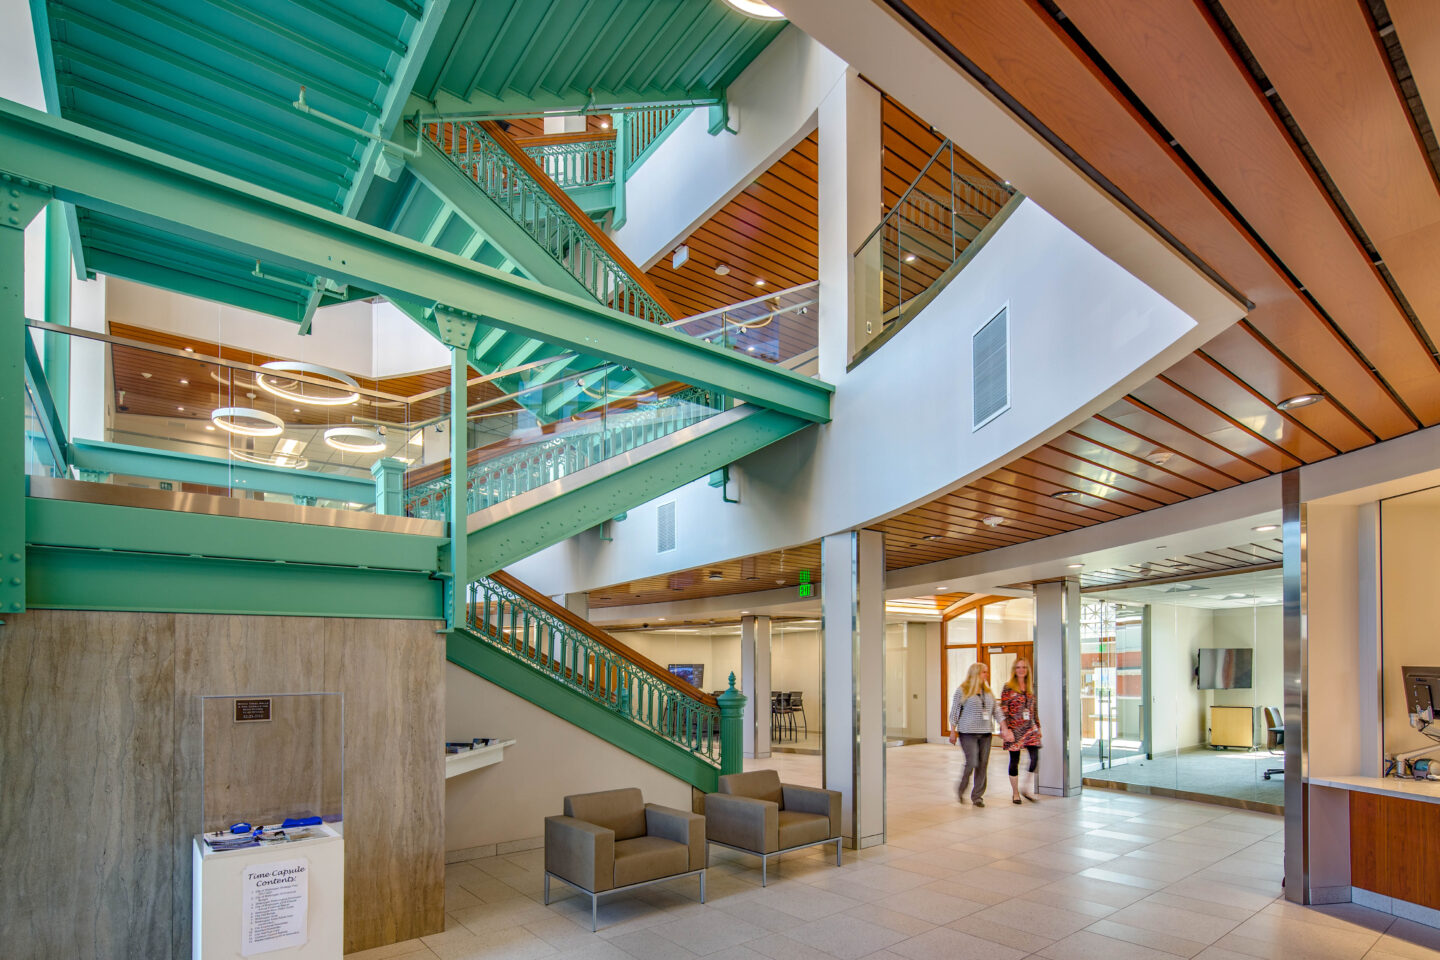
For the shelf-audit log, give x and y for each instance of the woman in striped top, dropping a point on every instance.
(971, 712)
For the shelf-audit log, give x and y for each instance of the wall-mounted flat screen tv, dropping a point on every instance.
(1225, 668)
(691, 673)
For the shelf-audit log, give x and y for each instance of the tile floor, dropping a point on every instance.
(1106, 875)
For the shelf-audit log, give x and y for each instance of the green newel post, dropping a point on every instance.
(389, 475)
(732, 720)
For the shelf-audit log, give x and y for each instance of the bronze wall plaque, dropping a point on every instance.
(251, 709)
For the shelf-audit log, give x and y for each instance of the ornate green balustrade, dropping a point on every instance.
(526, 200)
(609, 434)
(512, 618)
(580, 163)
(645, 128)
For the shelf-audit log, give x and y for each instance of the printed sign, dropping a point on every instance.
(248, 710)
(276, 902)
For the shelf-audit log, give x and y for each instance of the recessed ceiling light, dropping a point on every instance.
(1159, 457)
(909, 258)
(1068, 495)
(604, 124)
(993, 521)
(932, 536)
(1302, 400)
(184, 383)
(751, 348)
(661, 619)
(759, 283)
(754, 8)
(1073, 566)
(744, 613)
(1266, 527)
(715, 575)
(722, 270)
(189, 349)
(181, 409)
(145, 375)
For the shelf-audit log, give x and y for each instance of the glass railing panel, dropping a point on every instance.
(536, 435)
(919, 240)
(780, 328)
(40, 458)
(186, 416)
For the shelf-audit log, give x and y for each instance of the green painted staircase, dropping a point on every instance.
(522, 641)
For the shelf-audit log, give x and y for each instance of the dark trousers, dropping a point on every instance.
(1015, 760)
(977, 763)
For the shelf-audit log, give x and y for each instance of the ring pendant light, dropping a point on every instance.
(275, 460)
(354, 439)
(343, 382)
(228, 419)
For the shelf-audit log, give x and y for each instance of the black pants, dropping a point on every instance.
(1015, 760)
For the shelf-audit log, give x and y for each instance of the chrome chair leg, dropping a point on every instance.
(547, 889)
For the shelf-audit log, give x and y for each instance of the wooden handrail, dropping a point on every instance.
(563, 138)
(588, 629)
(528, 164)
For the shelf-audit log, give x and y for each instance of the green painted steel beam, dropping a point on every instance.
(57, 309)
(523, 532)
(53, 426)
(441, 176)
(102, 526)
(19, 204)
(113, 176)
(78, 579)
(500, 668)
(133, 461)
(165, 277)
(483, 106)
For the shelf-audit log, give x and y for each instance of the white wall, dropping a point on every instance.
(1410, 606)
(508, 802)
(720, 653)
(693, 174)
(1261, 629)
(1080, 326)
(1177, 707)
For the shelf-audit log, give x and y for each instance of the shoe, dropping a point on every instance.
(979, 801)
(1015, 800)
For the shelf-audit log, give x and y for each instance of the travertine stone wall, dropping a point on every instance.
(100, 769)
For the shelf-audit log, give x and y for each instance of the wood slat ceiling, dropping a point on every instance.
(770, 230)
(764, 572)
(1308, 188)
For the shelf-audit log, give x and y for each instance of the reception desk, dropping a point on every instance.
(1394, 828)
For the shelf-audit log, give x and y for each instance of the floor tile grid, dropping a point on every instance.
(1104, 875)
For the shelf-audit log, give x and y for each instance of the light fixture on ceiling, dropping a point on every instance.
(1266, 527)
(231, 420)
(993, 521)
(722, 270)
(1159, 457)
(715, 575)
(275, 460)
(909, 258)
(1069, 496)
(604, 124)
(294, 390)
(147, 376)
(181, 409)
(1073, 566)
(184, 383)
(932, 536)
(1300, 400)
(354, 439)
(189, 349)
(756, 9)
(759, 283)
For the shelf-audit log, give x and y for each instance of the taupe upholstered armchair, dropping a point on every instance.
(614, 840)
(756, 813)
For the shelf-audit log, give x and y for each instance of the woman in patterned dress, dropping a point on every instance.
(1022, 722)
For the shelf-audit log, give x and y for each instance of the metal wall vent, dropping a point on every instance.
(990, 368)
(665, 527)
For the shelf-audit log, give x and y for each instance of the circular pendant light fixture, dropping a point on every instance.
(354, 439)
(233, 420)
(348, 390)
(275, 460)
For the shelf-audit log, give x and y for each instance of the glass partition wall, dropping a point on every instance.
(1182, 685)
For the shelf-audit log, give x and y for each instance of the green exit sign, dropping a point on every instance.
(807, 589)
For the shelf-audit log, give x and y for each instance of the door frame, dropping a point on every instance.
(981, 648)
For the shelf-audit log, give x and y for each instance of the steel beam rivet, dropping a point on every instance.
(15, 581)
(14, 558)
(16, 606)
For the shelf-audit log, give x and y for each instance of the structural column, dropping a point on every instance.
(389, 475)
(755, 684)
(459, 487)
(852, 611)
(850, 203)
(1057, 685)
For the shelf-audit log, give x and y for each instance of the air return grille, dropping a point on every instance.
(990, 359)
(665, 527)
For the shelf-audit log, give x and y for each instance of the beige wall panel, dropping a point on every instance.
(392, 672)
(85, 757)
(1410, 606)
(508, 802)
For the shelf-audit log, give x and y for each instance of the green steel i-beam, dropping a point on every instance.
(57, 309)
(19, 203)
(113, 176)
(457, 590)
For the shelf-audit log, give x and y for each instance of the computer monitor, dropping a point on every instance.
(691, 673)
(1422, 694)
